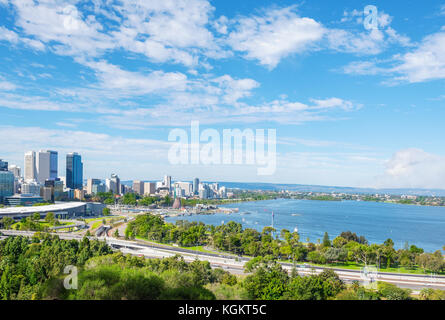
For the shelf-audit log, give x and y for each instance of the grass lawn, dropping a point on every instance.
(98, 221)
(43, 224)
(355, 266)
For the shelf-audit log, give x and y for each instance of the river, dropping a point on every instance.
(422, 226)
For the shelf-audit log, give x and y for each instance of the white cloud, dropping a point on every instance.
(115, 79)
(13, 37)
(364, 68)
(62, 26)
(414, 168)
(426, 62)
(361, 41)
(7, 85)
(100, 152)
(275, 35)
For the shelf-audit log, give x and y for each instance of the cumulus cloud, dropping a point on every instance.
(274, 35)
(426, 62)
(113, 78)
(98, 150)
(414, 168)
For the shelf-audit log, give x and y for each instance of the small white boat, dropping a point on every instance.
(296, 229)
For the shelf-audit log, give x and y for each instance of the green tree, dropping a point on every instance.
(36, 216)
(268, 282)
(106, 211)
(392, 292)
(7, 222)
(326, 241)
(49, 218)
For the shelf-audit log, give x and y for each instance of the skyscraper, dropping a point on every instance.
(53, 164)
(6, 184)
(3, 165)
(196, 186)
(46, 163)
(30, 166)
(74, 171)
(42, 165)
(168, 182)
(15, 170)
(117, 183)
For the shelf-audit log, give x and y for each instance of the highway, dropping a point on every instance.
(235, 264)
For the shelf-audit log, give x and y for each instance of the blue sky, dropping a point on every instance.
(110, 79)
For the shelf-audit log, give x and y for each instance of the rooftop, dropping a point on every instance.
(47, 208)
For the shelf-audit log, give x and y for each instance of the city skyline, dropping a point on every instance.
(352, 106)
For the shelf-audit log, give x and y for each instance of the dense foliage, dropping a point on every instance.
(26, 264)
(348, 247)
(33, 269)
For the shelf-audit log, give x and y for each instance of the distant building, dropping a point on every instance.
(47, 194)
(97, 188)
(46, 164)
(15, 171)
(53, 164)
(58, 190)
(185, 187)
(114, 184)
(31, 187)
(138, 187)
(79, 194)
(62, 210)
(196, 186)
(3, 165)
(91, 183)
(30, 166)
(149, 188)
(168, 182)
(74, 171)
(6, 184)
(22, 200)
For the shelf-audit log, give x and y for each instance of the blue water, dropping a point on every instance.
(422, 226)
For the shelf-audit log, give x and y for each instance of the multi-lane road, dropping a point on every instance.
(235, 264)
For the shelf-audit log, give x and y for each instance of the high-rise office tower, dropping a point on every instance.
(113, 184)
(138, 187)
(42, 165)
(116, 182)
(168, 182)
(30, 166)
(15, 170)
(53, 164)
(196, 186)
(3, 165)
(46, 163)
(6, 184)
(74, 171)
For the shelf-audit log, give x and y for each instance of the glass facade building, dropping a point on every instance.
(3, 165)
(6, 184)
(74, 171)
(53, 164)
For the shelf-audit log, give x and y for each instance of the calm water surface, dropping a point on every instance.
(420, 225)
